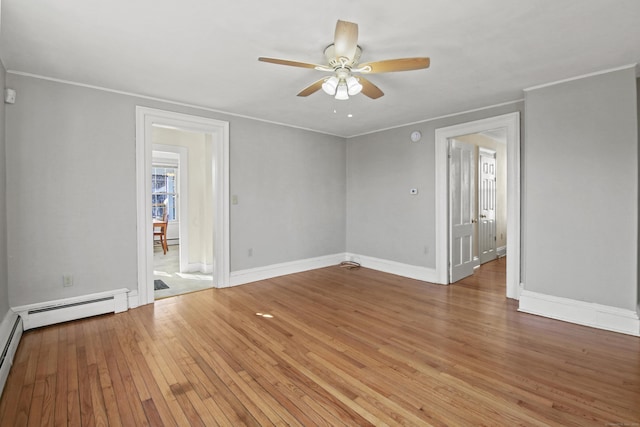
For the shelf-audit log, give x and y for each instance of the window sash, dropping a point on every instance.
(164, 192)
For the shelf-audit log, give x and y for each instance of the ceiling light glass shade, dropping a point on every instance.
(342, 93)
(353, 85)
(329, 86)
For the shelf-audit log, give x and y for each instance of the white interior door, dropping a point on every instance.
(487, 206)
(462, 171)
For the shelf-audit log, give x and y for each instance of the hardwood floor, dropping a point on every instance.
(344, 347)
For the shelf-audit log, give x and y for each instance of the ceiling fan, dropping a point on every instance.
(342, 60)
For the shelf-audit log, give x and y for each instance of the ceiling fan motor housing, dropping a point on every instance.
(337, 62)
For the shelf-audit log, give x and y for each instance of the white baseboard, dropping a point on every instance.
(262, 273)
(198, 267)
(133, 299)
(64, 310)
(406, 270)
(580, 312)
(501, 251)
(10, 334)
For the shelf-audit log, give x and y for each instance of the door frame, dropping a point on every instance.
(146, 118)
(511, 122)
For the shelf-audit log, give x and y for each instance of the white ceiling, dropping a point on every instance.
(204, 52)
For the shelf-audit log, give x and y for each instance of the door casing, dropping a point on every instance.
(511, 122)
(146, 118)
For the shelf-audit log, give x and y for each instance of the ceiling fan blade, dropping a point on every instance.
(290, 63)
(389, 65)
(312, 88)
(345, 40)
(369, 89)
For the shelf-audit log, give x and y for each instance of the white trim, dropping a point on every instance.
(198, 267)
(219, 131)
(406, 270)
(133, 299)
(10, 343)
(583, 76)
(200, 107)
(167, 101)
(241, 277)
(488, 107)
(501, 251)
(580, 312)
(510, 121)
(64, 310)
(183, 198)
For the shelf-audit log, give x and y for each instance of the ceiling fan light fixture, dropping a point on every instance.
(330, 85)
(353, 86)
(342, 93)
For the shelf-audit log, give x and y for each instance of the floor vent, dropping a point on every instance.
(10, 346)
(49, 313)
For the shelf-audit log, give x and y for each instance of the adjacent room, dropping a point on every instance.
(342, 213)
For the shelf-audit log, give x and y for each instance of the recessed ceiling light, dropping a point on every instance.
(349, 115)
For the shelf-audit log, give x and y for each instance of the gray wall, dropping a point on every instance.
(71, 190)
(4, 286)
(290, 186)
(581, 187)
(383, 220)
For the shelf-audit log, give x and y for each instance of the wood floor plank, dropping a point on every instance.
(161, 367)
(339, 347)
(60, 404)
(71, 372)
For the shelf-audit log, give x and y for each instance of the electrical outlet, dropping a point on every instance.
(67, 280)
(250, 252)
(234, 199)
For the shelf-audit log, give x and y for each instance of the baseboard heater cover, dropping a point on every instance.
(9, 347)
(49, 313)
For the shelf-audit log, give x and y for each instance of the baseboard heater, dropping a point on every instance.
(11, 331)
(49, 313)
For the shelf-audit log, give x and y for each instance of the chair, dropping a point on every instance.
(160, 230)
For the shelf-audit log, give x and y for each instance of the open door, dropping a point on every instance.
(462, 170)
(487, 206)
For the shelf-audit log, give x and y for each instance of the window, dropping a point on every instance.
(164, 192)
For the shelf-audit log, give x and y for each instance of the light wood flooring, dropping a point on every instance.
(343, 347)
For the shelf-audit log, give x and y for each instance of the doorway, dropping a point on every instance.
(217, 135)
(181, 188)
(486, 217)
(511, 124)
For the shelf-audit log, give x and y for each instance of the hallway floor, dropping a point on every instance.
(167, 268)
